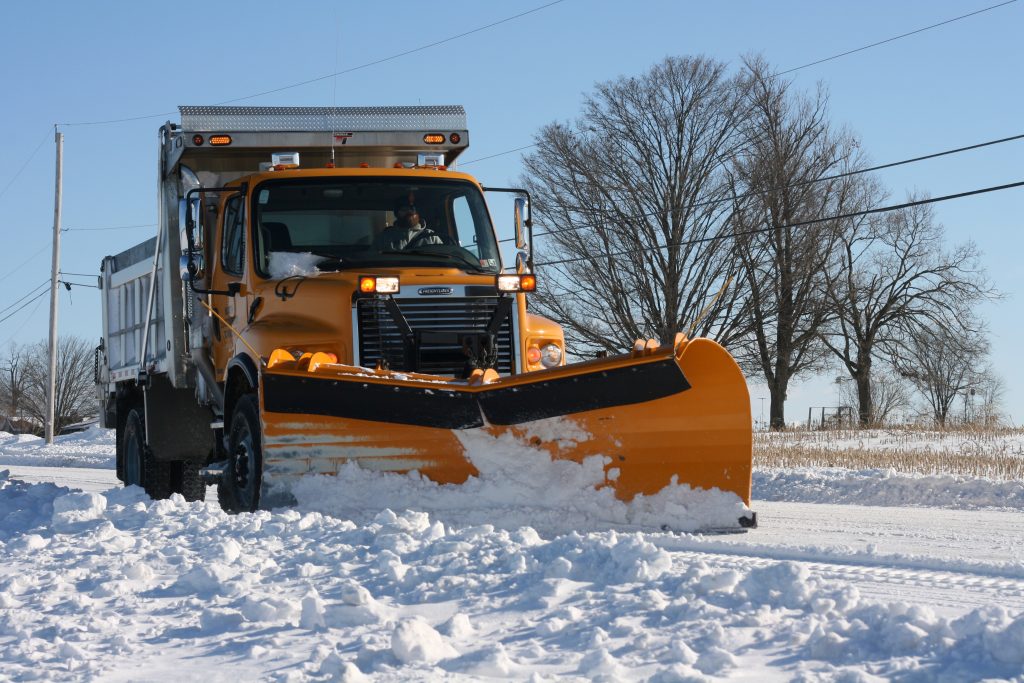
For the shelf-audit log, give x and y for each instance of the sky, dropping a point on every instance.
(79, 63)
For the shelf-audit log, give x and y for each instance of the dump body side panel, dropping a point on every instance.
(125, 282)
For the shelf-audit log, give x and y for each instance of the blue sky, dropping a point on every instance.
(71, 62)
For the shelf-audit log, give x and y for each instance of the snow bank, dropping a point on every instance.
(521, 486)
(116, 586)
(92, 448)
(885, 487)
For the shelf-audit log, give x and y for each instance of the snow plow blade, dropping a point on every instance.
(657, 416)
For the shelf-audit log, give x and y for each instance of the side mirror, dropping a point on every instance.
(519, 210)
(522, 262)
(190, 224)
(191, 267)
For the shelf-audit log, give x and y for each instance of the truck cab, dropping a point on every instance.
(388, 267)
(288, 230)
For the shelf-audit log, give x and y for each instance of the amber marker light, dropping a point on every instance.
(433, 139)
(369, 284)
(533, 355)
(220, 140)
(526, 282)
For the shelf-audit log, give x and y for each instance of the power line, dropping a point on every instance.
(25, 262)
(113, 227)
(742, 233)
(337, 73)
(25, 165)
(23, 306)
(499, 154)
(24, 322)
(69, 285)
(64, 272)
(804, 66)
(892, 164)
(889, 40)
(33, 291)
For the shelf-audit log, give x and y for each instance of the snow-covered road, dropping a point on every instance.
(951, 560)
(100, 583)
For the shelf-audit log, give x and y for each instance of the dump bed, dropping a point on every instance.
(125, 282)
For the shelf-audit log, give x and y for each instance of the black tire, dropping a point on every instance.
(239, 488)
(187, 481)
(140, 468)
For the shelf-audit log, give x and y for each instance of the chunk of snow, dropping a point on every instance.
(284, 264)
(414, 640)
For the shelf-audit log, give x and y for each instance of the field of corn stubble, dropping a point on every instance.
(993, 453)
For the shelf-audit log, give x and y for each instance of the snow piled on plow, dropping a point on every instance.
(521, 486)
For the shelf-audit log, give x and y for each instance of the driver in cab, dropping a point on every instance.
(409, 230)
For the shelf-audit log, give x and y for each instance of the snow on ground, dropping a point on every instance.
(113, 586)
(92, 448)
(886, 487)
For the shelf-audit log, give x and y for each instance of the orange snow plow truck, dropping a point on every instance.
(325, 287)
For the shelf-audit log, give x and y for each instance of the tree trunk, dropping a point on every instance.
(777, 411)
(865, 405)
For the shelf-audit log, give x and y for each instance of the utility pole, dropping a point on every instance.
(51, 385)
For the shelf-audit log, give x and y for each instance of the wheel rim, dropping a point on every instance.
(243, 459)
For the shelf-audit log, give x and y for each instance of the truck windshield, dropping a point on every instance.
(383, 222)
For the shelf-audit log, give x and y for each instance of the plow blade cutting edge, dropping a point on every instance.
(658, 416)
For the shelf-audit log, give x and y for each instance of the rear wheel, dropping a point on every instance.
(187, 481)
(140, 468)
(239, 488)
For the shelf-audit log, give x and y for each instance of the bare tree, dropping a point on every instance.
(987, 403)
(889, 272)
(782, 178)
(14, 380)
(635, 196)
(942, 364)
(890, 396)
(75, 390)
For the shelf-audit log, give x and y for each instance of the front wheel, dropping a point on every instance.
(239, 488)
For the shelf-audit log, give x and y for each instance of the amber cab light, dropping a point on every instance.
(525, 282)
(433, 139)
(220, 140)
(370, 284)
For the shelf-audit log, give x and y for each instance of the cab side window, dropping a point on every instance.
(233, 249)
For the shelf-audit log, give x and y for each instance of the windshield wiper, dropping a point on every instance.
(442, 254)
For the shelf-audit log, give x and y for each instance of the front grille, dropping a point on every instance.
(379, 336)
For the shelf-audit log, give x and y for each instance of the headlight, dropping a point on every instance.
(551, 356)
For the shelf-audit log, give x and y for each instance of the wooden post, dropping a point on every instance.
(51, 385)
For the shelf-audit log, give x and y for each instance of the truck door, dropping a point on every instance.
(231, 263)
